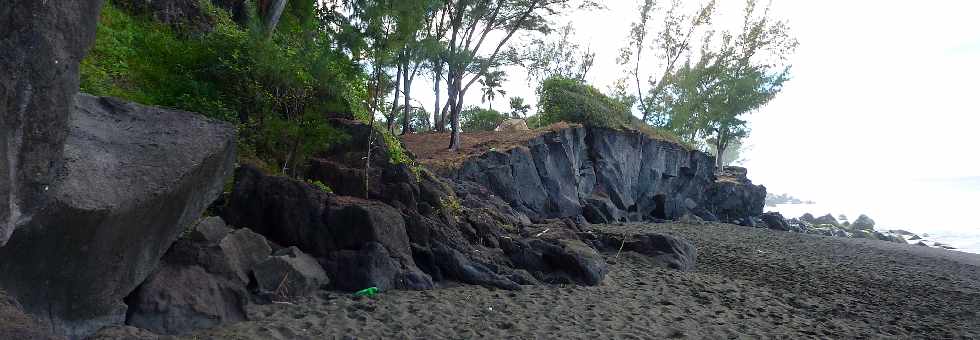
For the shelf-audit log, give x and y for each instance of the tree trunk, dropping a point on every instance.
(390, 118)
(457, 94)
(407, 85)
(437, 117)
(273, 14)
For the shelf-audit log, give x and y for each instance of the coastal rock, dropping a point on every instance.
(133, 178)
(808, 218)
(863, 222)
(201, 282)
(827, 219)
(243, 250)
(290, 273)
(182, 299)
(41, 45)
(361, 242)
(669, 251)
(605, 175)
(558, 261)
(734, 197)
(775, 221)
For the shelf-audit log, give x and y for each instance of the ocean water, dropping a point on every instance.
(947, 210)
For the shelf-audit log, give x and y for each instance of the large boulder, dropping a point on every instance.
(827, 219)
(361, 242)
(201, 282)
(668, 251)
(557, 261)
(181, 299)
(733, 197)
(133, 178)
(863, 222)
(41, 45)
(775, 221)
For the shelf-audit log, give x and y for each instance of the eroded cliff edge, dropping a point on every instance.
(603, 175)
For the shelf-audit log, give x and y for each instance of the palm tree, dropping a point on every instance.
(491, 84)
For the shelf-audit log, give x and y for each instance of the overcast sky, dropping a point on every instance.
(881, 89)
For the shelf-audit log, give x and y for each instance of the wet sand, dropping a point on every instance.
(749, 284)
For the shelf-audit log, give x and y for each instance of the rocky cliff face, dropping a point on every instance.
(605, 176)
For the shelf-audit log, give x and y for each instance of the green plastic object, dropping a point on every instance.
(369, 292)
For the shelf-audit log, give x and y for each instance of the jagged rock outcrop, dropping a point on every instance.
(417, 230)
(133, 177)
(41, 45)
(602, 174)
(733, 197)
(201, 281)
(362, 243)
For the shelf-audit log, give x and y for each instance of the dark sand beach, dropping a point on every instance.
(749, 284)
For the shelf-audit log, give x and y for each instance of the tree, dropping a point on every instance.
(491, 86)
(480, 119)
(517, 107)
(470, 24)
(562, 57)
(706, 100)
(673, 42)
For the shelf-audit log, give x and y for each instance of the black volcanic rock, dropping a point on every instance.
(669, 251)
(132, 179)
(602, 174)
(362, 243)
(827, 219)
(863, 222)
(775, 220)
(41, 45)
(733, 197)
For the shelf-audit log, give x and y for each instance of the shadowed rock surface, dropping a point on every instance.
(603, 174)
(16, 324)
(133, 178)
(41, 45)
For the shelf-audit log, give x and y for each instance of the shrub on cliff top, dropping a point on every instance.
(569, 100)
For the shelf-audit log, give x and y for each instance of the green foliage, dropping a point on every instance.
(517, 107)
(561, 57)
(706, 101)
(275, 88)
(569, 100)
(450, 205)
(480, 119)
(319, 185)
(418, 119)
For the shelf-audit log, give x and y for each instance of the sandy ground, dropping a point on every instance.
(750, 284)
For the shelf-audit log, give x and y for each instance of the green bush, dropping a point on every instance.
(480, 119)
(276, 89)
(569, 100)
